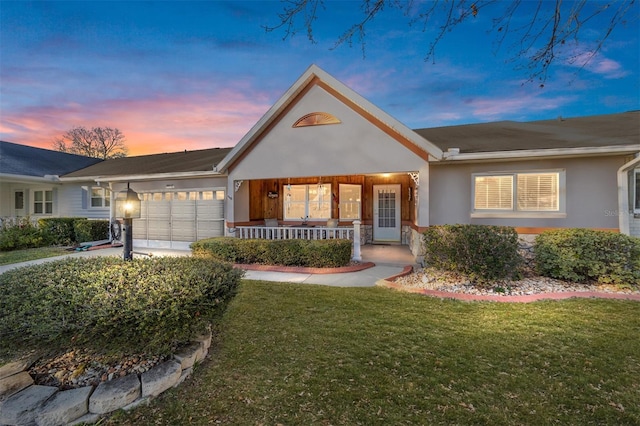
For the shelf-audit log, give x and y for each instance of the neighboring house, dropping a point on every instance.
(30, 184)
(323, 152)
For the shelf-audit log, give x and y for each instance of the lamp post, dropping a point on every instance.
(128, 207)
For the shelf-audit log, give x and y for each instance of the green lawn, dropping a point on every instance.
(17, 256)
(295, 354)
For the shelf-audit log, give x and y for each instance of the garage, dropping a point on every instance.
(175, 219)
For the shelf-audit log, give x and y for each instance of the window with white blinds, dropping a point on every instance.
(517, 192)
(493, 193)
(538, 192)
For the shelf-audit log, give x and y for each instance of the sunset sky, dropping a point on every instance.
(194, 75)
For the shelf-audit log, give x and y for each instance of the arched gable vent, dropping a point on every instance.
(316, 119)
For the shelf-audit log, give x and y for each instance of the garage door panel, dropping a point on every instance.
(165, 217)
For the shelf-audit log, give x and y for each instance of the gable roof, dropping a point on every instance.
(168, 164)
(314, 75)
(601, 132)
(23, 160)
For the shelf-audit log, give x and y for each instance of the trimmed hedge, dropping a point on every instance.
(483, 253)
(585, 254)
(21, 234)
(59, 230)
(148, 305)
(90, 230)
(311, 253)
(73, 230)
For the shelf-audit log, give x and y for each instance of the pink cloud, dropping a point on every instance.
(598, 64)
(191, 121)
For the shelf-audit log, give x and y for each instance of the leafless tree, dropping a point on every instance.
(98, 142)
(552, 29)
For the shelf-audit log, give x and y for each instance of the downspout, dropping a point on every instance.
(623, 194)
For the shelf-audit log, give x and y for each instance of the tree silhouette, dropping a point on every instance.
(98, 142)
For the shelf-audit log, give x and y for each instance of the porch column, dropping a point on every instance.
(356, 241)
(422, 197)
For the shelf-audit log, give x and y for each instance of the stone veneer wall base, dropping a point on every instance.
(24, 403)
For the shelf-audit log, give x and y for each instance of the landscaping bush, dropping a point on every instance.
(312, 253)
(59, 230)
(148, 305)
(21, 234)
(482, 253)
(86, 230)
(585, 254)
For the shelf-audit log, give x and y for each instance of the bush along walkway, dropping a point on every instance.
(24, 402)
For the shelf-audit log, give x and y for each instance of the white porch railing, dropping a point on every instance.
(304, 233)
(293, 232)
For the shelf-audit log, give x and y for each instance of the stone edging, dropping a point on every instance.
(303, 269)
(388, 283)
(24, 403)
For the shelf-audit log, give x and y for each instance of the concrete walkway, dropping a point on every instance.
(389, 260)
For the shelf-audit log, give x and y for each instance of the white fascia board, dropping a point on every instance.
(143, 177)
(316, 72)
(25, 178)
(538, 153)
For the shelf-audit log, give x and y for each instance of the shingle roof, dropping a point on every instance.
(174, 162)
(25, 160)
(581, 132)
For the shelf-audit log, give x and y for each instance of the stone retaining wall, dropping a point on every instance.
(24, 403)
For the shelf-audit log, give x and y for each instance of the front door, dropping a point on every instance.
(18, 203)
(386, 213)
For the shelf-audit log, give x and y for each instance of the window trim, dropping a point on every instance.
(636, 191)
(514, 212)
(306, 204)
(106, 198)
(44, 202)
(359, 202)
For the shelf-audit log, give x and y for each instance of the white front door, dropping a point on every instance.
(19, 203)
(386, 213)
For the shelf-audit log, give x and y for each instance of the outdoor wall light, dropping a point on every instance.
(128, 207)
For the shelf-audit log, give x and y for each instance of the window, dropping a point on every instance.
(307, 202)
(636, 207)
(100, 197)
(519, 193)
(43, 202)
(350, 199)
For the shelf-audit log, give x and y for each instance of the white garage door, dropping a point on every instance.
(176, 219)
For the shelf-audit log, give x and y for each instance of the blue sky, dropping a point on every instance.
(194, 75)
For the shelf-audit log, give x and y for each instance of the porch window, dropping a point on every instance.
(43, 202)
(100, 197)
(526, 192)
(350, 201)
(307, 202)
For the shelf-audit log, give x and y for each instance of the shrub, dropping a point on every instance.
(313, 253)
(148, 305)
(90, 230)
(60, 230)
(585, 254)
(21, 234)
(483, 253)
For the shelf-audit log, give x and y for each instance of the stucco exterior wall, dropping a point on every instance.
(355, 146)
(591, 192)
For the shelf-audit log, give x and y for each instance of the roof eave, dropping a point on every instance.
(542, 153)
(28, 178)
(144, 177)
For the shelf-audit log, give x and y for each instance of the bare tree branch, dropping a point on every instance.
(534, 46)
(99, 142)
